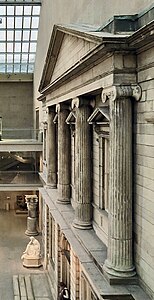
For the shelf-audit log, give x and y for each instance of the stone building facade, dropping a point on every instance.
(98, 169)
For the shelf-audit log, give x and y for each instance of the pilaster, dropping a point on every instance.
(119, 261)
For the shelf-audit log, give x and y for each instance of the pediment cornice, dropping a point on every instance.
(100, 41)
(104, 45)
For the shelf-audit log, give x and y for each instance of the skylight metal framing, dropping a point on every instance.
(18, 35)
(20, 2)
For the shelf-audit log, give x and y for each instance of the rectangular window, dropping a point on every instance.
(103, 171)
(44, 144)
(52, 239)
(73, 164)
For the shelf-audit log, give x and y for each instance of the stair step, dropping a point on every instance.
(30, 294)
(31, 287)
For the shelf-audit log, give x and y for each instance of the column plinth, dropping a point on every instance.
(83, 191)
(119, 261)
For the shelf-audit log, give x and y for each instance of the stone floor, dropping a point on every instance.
(13, 242)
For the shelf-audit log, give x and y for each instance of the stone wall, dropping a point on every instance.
(144, 171)
(16, 107)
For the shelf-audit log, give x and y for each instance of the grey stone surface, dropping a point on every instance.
(12, 243)
(40, 286)
(89, 249)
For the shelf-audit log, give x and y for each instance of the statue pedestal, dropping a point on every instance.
(30, 262)
(31, 227)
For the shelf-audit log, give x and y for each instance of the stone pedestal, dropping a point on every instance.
(31, 227)
(51, 150)
(32, 262)
(119, 261)
(64, 155)
(32, 202)
(83, 166)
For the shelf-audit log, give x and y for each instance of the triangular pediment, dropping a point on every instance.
(67, 50)
(72, 51)
(71, 118)
(99, 116)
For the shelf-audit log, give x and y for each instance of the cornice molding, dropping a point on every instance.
(104, 44)
(142, 36)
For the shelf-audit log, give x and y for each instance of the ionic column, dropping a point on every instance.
(64, 155)
(32, 202)
(83, 183)
(119, 257)
(51, 151)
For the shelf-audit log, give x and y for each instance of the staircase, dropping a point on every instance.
(31, 287)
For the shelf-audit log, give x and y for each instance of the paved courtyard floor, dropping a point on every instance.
(13, 242)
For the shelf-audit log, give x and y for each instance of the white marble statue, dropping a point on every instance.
(32, 250)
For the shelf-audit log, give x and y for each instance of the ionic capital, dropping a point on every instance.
(80, 101)
(121, 91)
(61, 107)
(75, 103)
(45, 125)
(31, 199)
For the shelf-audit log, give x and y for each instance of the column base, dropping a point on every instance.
(31, 233)
(51, 185)
(64, 201)
(116, 276)
(82, 225)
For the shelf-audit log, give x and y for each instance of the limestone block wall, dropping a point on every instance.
(144, 172)
(16, 106)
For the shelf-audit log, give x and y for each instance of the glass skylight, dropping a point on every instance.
(19, 20)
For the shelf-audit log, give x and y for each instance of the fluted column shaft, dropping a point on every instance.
(51, 151)
(119, 261)
(64, 156)
(83, 169)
